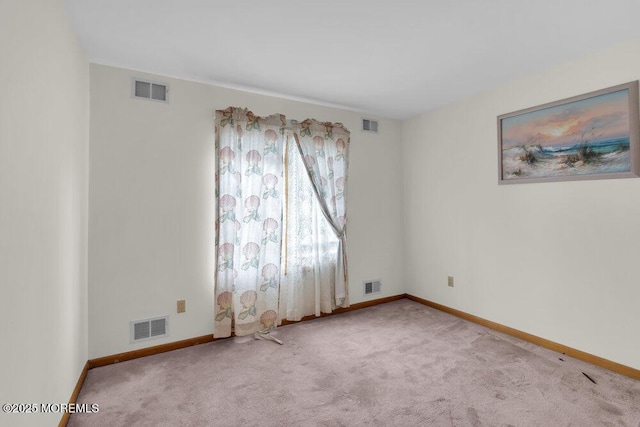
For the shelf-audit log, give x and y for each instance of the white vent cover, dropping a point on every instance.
(372, 287)
(150, 90)
(146, 329)
(369, 125)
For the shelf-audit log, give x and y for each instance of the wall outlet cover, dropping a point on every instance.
(182, 306)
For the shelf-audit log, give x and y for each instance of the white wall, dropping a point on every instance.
(44, 139)
(558, 260)
(152, 204)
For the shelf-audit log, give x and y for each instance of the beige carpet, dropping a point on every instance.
(400, 364)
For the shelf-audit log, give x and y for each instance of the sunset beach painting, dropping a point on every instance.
(590, 136)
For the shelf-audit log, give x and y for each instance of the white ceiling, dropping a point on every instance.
(393, 58)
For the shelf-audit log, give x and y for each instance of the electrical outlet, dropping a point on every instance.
(450, 281)
(182, 306)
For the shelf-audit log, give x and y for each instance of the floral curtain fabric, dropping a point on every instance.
(252, 290)
(324, 148)
(249, 183)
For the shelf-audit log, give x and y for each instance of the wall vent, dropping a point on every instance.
(149, 90)
(147, 329)
(369, 125)
(372, 287)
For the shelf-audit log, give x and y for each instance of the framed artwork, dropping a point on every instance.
(591, 136)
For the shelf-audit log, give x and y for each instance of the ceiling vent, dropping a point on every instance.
(369, 125)
(372, 287)
(147, 329)
(149, 90)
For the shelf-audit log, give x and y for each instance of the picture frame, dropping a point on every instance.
(591, 136)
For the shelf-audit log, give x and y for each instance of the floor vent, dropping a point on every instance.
(369, 125)
(372, 287)
(147, 329)
(150, 90)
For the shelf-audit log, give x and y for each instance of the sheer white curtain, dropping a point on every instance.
(324, 148)
(309, 265)
(314, 277)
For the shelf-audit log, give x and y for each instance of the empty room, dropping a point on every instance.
(319, 213)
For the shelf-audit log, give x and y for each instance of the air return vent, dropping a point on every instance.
(148, 329)
(150, 90)
(372, 287)
(369, 125)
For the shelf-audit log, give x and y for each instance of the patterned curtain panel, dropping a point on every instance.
(324, 148)
(249, 190)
